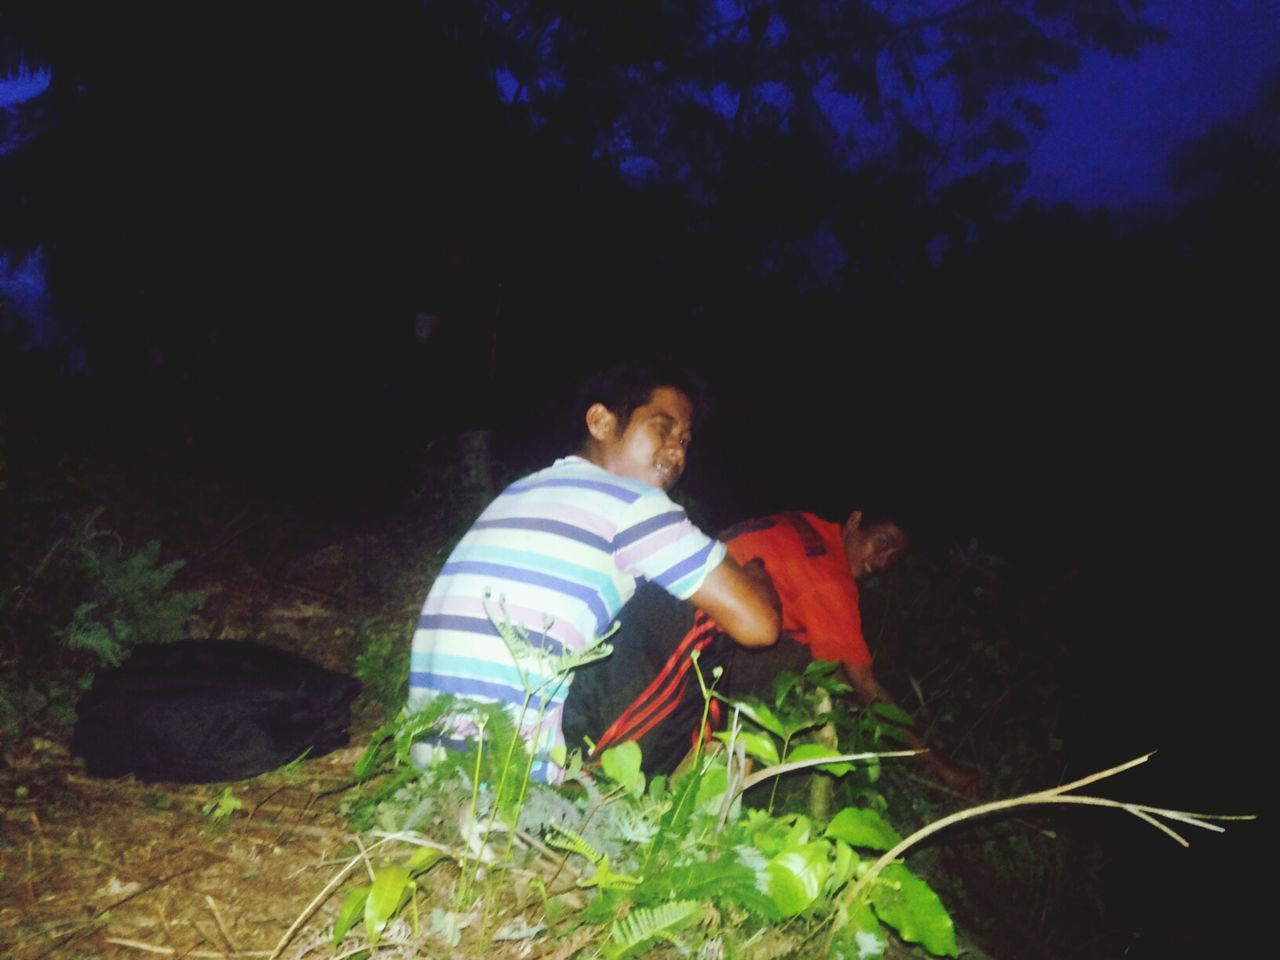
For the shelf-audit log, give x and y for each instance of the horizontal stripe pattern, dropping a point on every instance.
(557, 554)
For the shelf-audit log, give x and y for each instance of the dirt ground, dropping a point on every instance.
(118, 868)
(95, 868)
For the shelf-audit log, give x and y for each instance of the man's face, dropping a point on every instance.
(874, 549)
(651, 447)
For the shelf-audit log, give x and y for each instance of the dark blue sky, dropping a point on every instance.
(1113, 123)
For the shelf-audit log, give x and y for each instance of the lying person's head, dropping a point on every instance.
(872, 542)
(640, 419)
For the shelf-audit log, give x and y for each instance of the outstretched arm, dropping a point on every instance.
(870, 691)
(741, 599)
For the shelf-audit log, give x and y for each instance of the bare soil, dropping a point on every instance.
(118, 868)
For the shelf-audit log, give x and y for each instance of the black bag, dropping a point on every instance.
(202, 711)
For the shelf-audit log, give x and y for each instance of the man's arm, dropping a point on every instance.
(870, 691)
(742, 601)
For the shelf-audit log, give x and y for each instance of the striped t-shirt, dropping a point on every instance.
(558, 553)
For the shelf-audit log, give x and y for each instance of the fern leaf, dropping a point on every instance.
(652, 923)
(572, 661)
(562, 838)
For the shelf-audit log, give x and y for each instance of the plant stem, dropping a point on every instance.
(1054, 795)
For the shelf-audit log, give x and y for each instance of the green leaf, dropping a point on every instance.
(897, 734)
(223, 807)
(783, 685)
(391, 888)
(812, 751)
(863, 828)
(763, 716)
(562, 838)
(711, 788)
(350, 912)
(606, 879)
(842, 869)
(893, 713)
(757, 745)
(423, 858)
(649, 923)
(862, 932)
(621, 764)
(603, 908)
(796, 876)
(909, 905)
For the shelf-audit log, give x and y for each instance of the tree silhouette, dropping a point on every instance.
(245, 208)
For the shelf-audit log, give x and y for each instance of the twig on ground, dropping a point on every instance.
(171, 952)
(368, 864)
(1054, 795)
(222, 927)
(319, 898)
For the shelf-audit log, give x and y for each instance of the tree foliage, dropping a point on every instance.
(243, 210)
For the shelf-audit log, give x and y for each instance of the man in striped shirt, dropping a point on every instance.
(557, 554)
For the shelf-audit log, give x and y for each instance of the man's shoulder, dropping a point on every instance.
(791, 531)
(574, 472)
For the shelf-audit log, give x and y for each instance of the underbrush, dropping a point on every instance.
(75, 602)
(703, 862)
(785, 836)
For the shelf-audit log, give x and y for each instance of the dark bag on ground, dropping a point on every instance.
(202, 711)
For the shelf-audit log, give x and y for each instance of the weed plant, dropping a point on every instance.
(717, 860)
(76, 603)
(628, 863)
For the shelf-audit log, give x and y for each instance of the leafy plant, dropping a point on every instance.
(653, 856)
(97, 597)
(382, 663)
(618, 865)
(128, 599)
(222, 807)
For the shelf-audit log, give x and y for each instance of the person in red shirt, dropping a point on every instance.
(645, 691)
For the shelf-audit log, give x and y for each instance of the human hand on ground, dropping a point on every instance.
(960, 780)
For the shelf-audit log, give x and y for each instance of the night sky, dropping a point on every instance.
(1080, 397)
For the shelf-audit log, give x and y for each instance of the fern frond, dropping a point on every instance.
(639, 824)
(409, 726)
(652, 923)
(572, 661)
(562, 838)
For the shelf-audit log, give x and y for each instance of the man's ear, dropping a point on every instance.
(854, 523)
(601, 422)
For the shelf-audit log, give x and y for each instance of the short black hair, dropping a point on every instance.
(878, 514)
(624, 385)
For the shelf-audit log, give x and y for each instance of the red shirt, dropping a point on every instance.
(804, 556)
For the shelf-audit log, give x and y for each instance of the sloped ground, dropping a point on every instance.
(116, 868)
(99, 868)
(95, 868)
(92, 868)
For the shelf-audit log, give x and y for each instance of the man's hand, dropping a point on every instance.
(869, 690)
(962, 781)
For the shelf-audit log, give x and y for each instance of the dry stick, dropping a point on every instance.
(317, 900)
(259, 805)
(1051, 796)
(791, 765)
(170, 951)
(222, 927)
(83, 928)
(368, 864)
